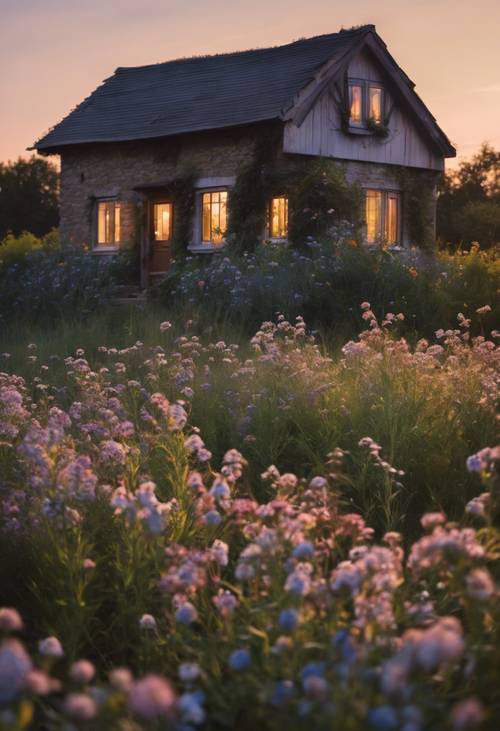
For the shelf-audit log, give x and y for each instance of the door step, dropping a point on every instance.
(128, 295)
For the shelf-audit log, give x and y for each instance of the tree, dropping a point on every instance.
(469, 201)
(28, 196)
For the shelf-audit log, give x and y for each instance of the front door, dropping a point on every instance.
(161, 237)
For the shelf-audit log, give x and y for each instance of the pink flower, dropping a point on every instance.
(80, 706)
(82, 671)
(121, 679)
(10, 620)
(50, 647)
(466, 714)
(152, 696)
(480, 585)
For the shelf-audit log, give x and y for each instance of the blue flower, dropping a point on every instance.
(303, 550)
(312, 668)
(240, 660)
(383, 718)
(282, 693)
(288, 620)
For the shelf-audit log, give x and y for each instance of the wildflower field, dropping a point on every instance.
(202, 530)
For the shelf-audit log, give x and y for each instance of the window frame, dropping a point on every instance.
(386, 195)
(115, 245)
(270, 217)
(366, 86)
(158, 202)
(211, 243)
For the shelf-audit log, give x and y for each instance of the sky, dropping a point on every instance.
(53, 53)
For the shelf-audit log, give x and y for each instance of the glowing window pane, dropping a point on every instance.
(117, 226)
(162, 221)
(375, 103)
(108, 223)
(214, 216)
(278, 219)
(373, 215)
(392, 218)
(356, 100)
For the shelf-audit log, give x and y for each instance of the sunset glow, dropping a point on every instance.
(56, 52)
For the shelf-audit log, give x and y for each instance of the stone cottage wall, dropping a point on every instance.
(115, 170)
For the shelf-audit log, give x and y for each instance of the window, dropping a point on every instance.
(356, 103)
(214, 216)
(278, 218)
(108, 223)
(375, 103)
(382, 211)
(366, 103)
(162, 221)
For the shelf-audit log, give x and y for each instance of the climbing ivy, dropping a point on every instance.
(417, 190)
(249, 197)
(182, 190)
(320, 197)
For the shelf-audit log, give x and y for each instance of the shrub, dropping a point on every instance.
(39, 279)
(329, 279)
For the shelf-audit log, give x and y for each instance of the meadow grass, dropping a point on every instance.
(237, 521)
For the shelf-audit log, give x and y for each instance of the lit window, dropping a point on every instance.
(375, 104)
(382, 213)
(373, 216)
(356, 103)
(162, 221)
(108, 223)
(366, 103)
(392, 218)
(278, 218)
(214, 216)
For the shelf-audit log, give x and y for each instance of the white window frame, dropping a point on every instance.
(207, 185)
(98, 248)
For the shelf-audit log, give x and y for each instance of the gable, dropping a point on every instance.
(316, 125)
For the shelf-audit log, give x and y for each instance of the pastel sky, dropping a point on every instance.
(53, 53)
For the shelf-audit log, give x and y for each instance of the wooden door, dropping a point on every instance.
(161, 237)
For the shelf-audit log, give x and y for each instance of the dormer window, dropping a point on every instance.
(366, 104)
(375, 103)
(356, 102)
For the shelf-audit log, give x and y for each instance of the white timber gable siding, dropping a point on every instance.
(321, 132)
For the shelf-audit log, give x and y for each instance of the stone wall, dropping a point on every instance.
(115, 170)
(387, 177)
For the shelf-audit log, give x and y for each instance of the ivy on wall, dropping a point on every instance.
(320, 197)
(182, 190)
(318, 192)
(248, 199)
(418, 193)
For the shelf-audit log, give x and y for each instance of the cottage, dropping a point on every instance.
(126, 149)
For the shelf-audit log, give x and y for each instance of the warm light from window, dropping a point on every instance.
(108, 223)
(214, 216)
(356, 100)
(392, 218)
(382, 217)
(373, 215)
(278, 218)
(162, 221)
(375, 103)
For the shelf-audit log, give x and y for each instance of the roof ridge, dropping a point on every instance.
(355, 30)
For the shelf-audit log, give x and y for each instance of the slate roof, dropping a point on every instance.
(200, 93)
